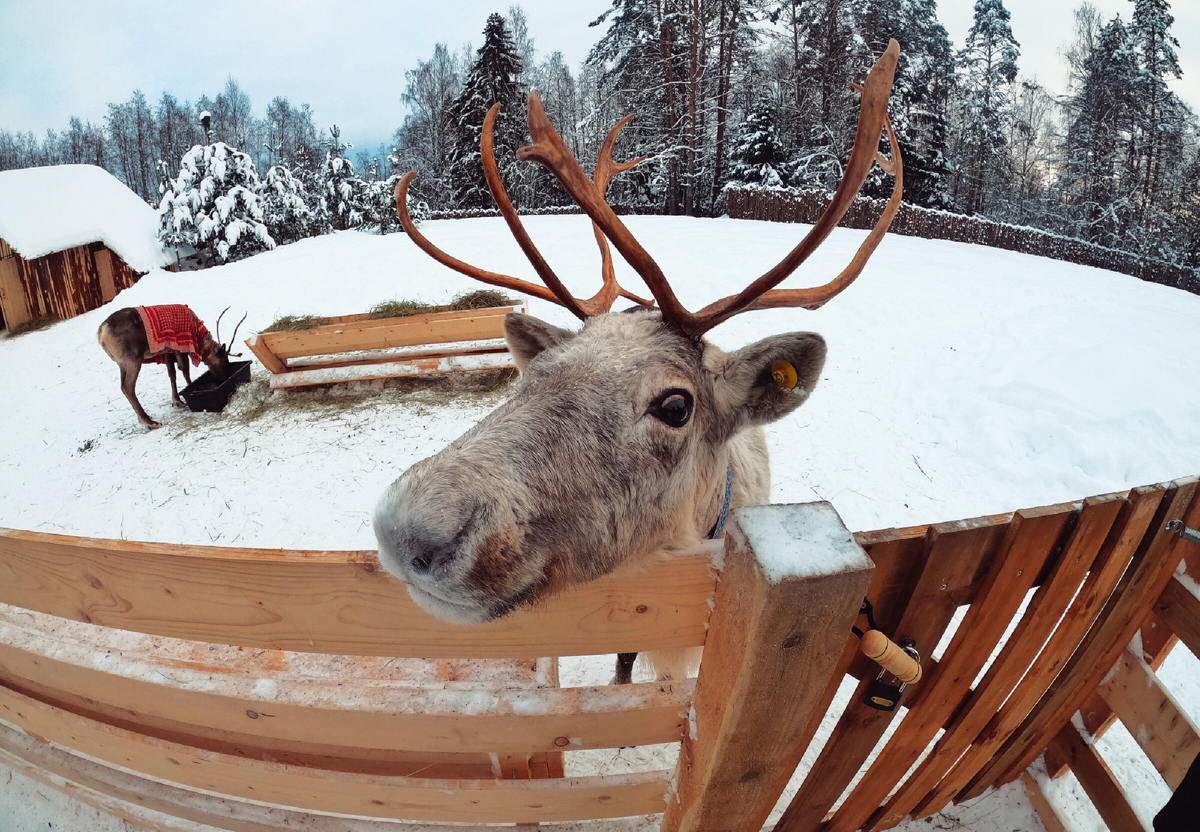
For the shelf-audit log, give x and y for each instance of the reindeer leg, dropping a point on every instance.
(624, 675)
(129, 377)
(175, 400)
(186, 367)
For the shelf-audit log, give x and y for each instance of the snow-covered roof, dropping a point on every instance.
(48, 209)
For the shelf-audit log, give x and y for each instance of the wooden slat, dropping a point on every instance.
(499, 801)
(772, 649)
(364, 359)
(1030, 540)
(953, 553)
(1152, 716)
(310, 718)
(263, 353)
(1045, 812)
(405, 368)
(129, 797)
(1180, 610)
(1096, 715)
(1023, 645)
(336, 602)
(374, 335)
(1123, 539)
(1140, 587)
(1098, 781)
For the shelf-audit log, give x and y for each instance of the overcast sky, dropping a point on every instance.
(60, 58)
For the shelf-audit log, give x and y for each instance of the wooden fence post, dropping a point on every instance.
(789, 592)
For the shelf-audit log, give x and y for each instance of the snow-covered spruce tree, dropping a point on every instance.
(757, 157)
(1151, 32)
(285, 201)
(987, 68)
(493, 78)
(342, 196)
(212, 204)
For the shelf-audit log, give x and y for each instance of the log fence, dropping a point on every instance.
(265, 690)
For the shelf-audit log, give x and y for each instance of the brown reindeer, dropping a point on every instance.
(627, 439)
(124, 337)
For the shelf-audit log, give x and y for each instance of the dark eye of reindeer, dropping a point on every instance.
(674, 407)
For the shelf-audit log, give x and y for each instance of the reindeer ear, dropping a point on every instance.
(527, 336)
(769, 379)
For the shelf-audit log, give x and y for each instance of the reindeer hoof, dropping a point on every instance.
(178, 403)
(153, 426)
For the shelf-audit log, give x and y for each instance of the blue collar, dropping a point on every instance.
(720, 526)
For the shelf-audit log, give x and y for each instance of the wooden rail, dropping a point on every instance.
(360, 347)
(202, 696)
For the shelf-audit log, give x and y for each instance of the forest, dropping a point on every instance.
(727, 93)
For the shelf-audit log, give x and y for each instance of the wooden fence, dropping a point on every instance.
(791, 205)
(302, 686)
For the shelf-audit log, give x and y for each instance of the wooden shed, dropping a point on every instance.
(71, 238)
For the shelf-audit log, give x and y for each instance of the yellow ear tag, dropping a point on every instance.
(784, 374)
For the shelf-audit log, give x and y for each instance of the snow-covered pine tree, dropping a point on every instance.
(1151, 32)
(987, 68)
(212, 204)
(341, 201)
(1101, 115)
(757, 157)
(286, 210)
(493, 78)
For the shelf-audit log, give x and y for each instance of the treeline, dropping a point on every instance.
(737, 92)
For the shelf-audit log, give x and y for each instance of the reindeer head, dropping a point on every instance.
(619, 438)
(215, 354)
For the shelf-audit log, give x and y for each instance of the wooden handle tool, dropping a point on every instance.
(880, 649)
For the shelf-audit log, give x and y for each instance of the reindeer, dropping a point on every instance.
(626, 440)
(123, 336)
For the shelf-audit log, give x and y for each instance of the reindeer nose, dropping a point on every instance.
(427, 553)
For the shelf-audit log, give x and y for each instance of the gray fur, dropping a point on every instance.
(575, 475)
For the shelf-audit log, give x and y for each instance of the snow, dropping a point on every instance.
(961, 381)
(800, 541)
(49, 209)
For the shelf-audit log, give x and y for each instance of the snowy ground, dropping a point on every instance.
(961, 381)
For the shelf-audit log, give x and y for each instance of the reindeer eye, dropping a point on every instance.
(674, 408)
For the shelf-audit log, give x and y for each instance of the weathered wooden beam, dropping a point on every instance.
(411, 798)
(792, 585)
(1045, 812)
(336, 602)
(1153, 717)
(1179, 608)
(1097, 780)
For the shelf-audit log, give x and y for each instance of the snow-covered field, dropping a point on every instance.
(961, 381)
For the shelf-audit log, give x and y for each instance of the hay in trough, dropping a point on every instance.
(40, 322)
(296, 323)
(480, 299)
(402, 309)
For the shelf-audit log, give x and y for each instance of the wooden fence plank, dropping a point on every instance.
(404, 368)
(497, 801)
(953, 553)
(336, 602)
(1123, 539)
(310, 718)
(1045, 812)
(127, 797)
(1152, 716)
(1140, 586)
(1098, 781)
(772, 648)
(1030, 541)
(1023, 645)
(1180, 610)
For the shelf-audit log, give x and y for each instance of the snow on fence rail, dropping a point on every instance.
(792, 205)
(123, 670)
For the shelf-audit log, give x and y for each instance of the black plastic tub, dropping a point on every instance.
(204, 394)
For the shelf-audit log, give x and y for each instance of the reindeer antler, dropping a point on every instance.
(554, 290)
(217, 327)
(233, 339)
(549, 150)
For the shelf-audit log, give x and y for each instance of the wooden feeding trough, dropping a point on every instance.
(360, 347)
(260, 690)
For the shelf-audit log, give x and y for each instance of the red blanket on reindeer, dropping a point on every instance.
(172, 327)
